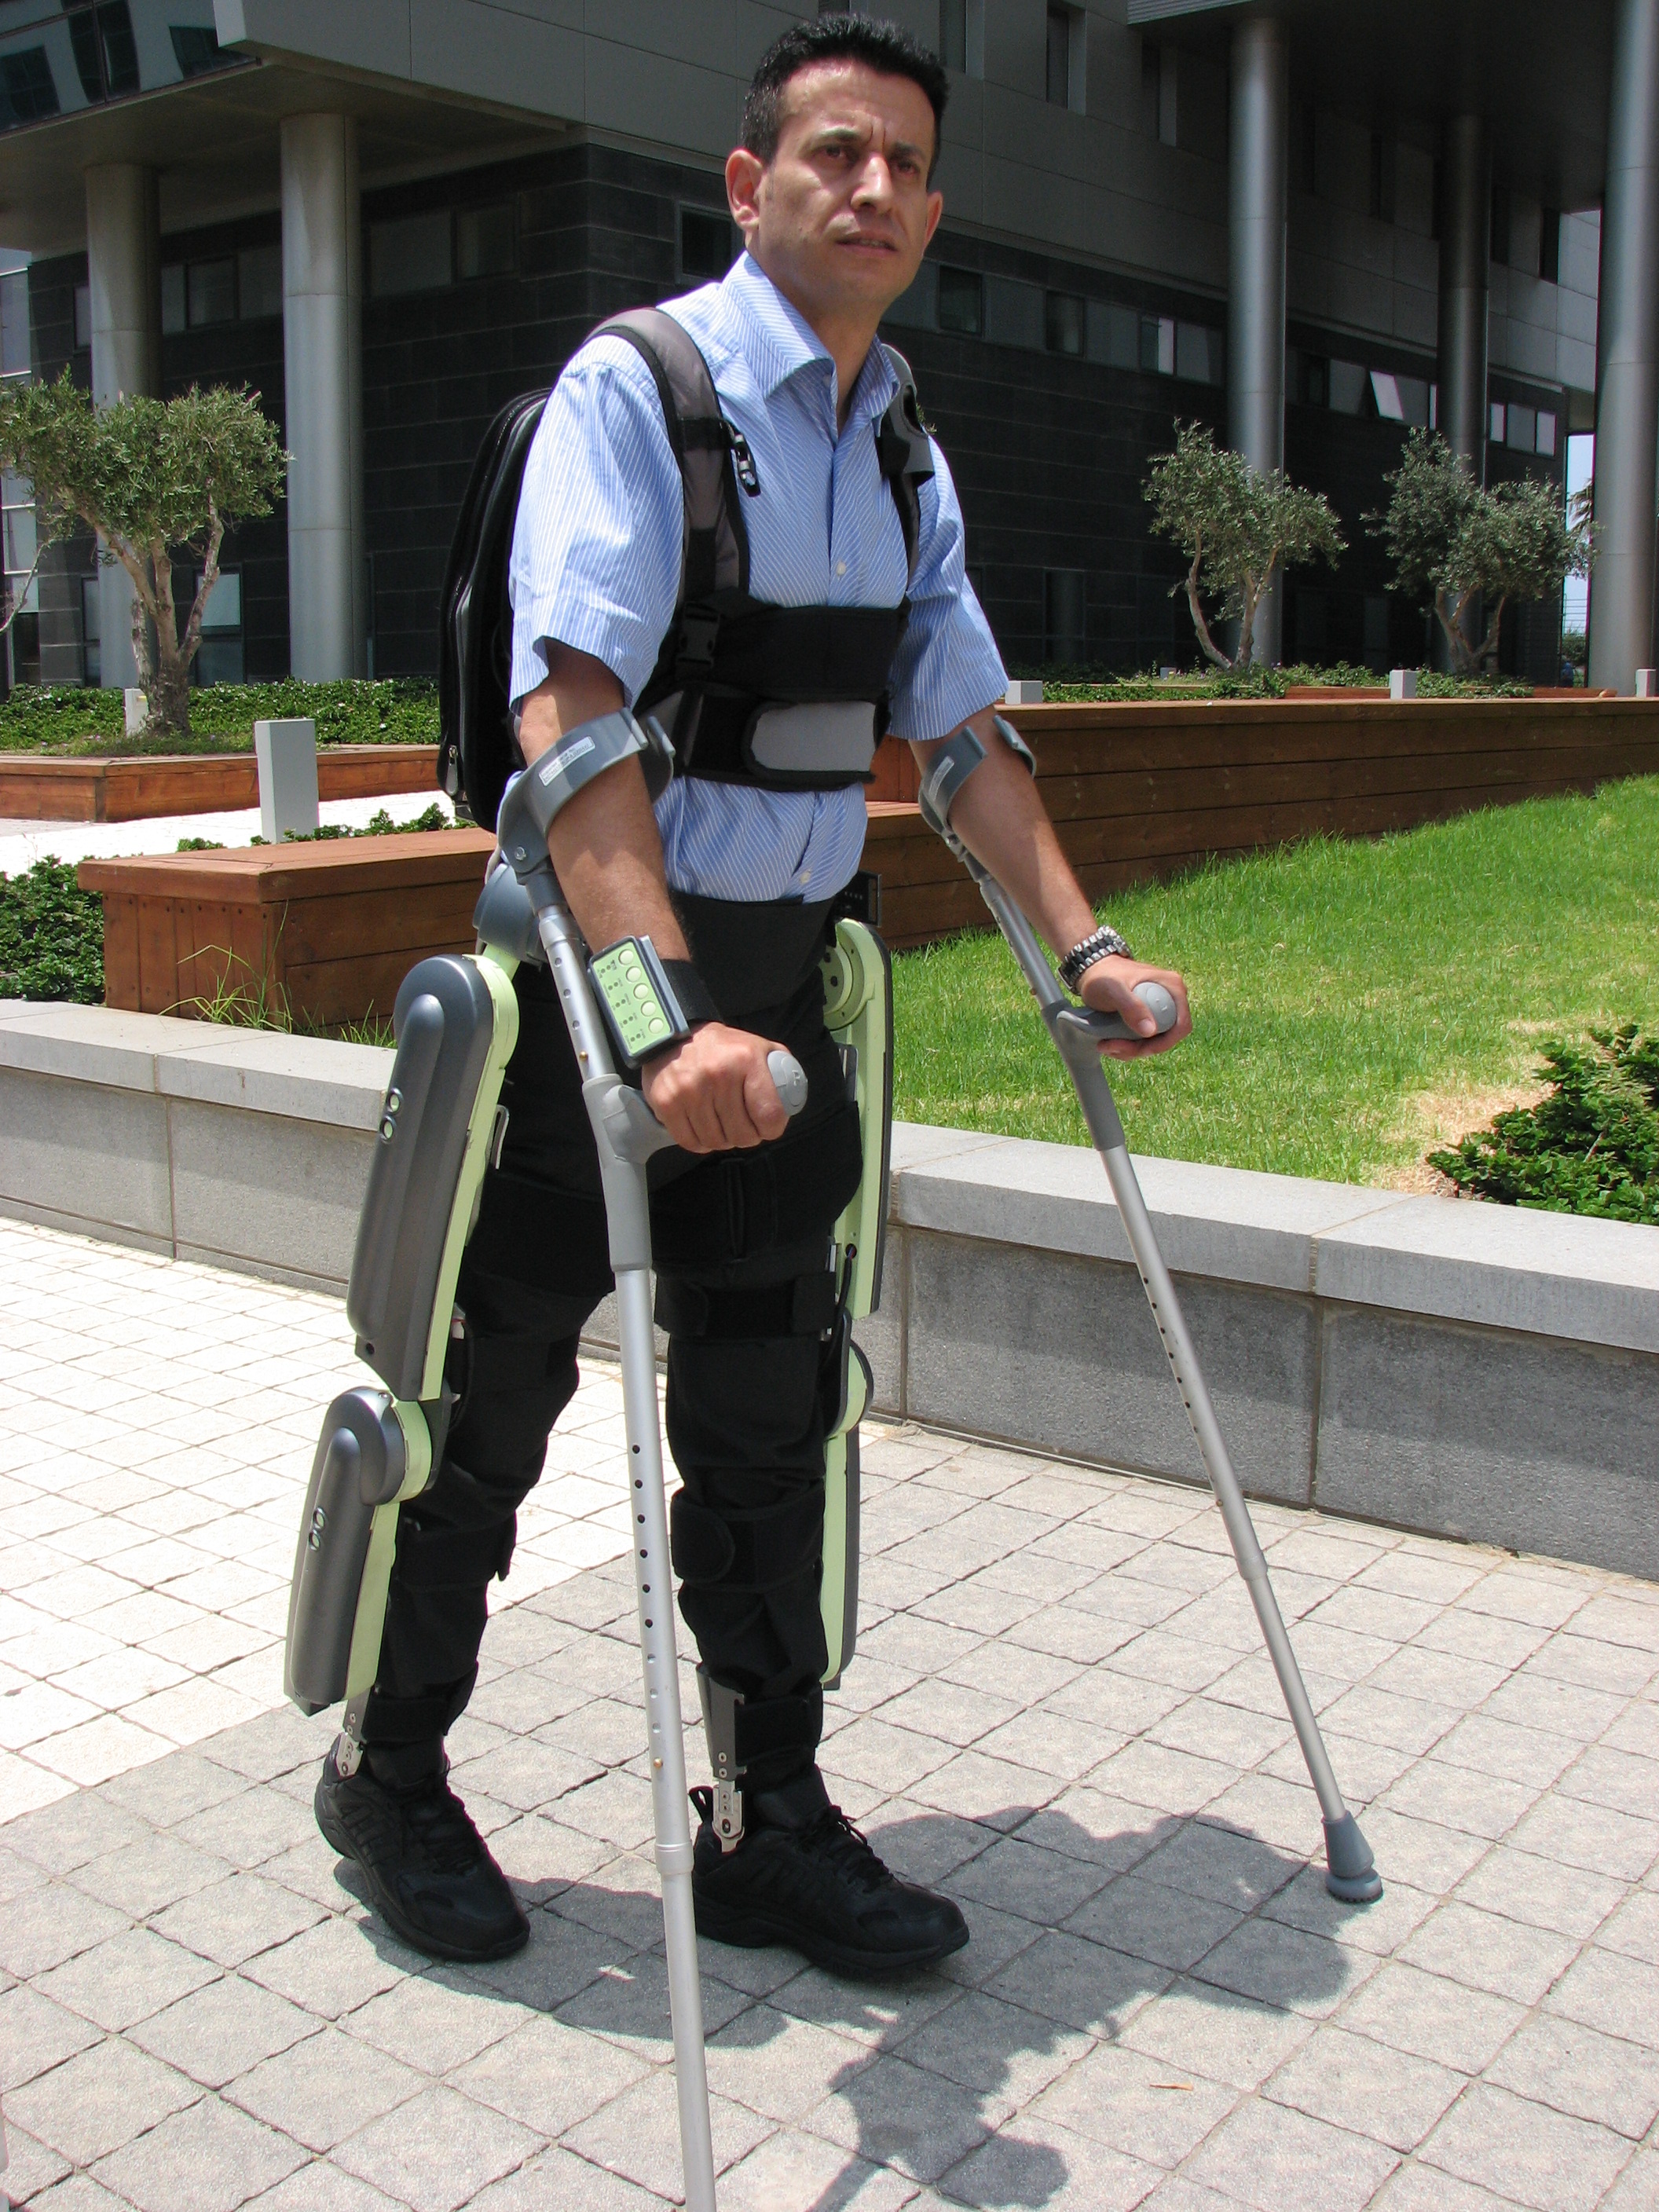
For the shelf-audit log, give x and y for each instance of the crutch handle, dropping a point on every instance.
(1159, 1002)
(790, 1078)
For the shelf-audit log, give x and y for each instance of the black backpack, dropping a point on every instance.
(476, 750)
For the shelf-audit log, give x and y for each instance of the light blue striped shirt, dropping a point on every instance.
(596, 562)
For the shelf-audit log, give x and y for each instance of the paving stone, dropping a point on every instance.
(1425, 2188)
(1036, 2162)
(780, 2067)
(629, 2002)
(100, 2099)
(1151, 1921)
(210, 2158)
(1634, 1929)
(1605, 1990)
(1524, 2152)
(45, 1926)
(64, 1836)
(1281, 2160)
(322, 2186)
(223, 2030)
(33, 2167)
(1541, 1891)
(234, 1920)
(1081, 1985)
(36, 2035)
(433, 2020)
(636, 2135)
(326, 2088)
(1576, 2070)
(75, 2192)
(1432, 2018)
(901, 2115)
(437, 2150)
(548, 2076)
(252, 1827)
(1015, 1876)
(792, 2167)
(125, 1980)
(142, 1878)
(335, 1965)
(1216, 2035)
(171, 1790)
(1485, 1951)
(1136, 2104)
(998, 2050)
(558, 2180)
(1378, 1928)
(1284, 1967)
(1636, 2189)
(1358, 2084)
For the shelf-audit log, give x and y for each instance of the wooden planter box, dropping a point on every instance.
(1136, 792)
(327, 931)
(34, 786)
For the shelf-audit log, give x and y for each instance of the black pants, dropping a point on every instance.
(741, 1245)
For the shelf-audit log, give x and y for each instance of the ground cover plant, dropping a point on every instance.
(67, 721)
(1356, 1004)
(1063, 685)
(51, 936)
(1590, 1145)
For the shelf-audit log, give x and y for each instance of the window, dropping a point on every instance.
(1377, 655)
(1546, 433)
(1348, 384)
(173, 299)
(221, 659)
(1157, 345)
(962, 35)
(1114, 334)
(17, 516)
(1382, 177)
(413, 254)
(210, 292)
(1401, 398)
(27, 87)
(707, 247)
(1199, 354)
(1549, 246)
(92, 625)
(15, 358)
(195, 48)
(1167, 83)
(485, 241)
(82, 317)
(1064, 323)
(1497, 428)
(1068, 75)
(1151, 75)
(1066, 616)
(259, 282)
(961, 301)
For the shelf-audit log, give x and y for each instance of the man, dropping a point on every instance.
(831, 188)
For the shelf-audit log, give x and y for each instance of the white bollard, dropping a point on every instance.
(1402, 683)
(1647, 682)
(1023, 691)
(135, 708)
(287, 754)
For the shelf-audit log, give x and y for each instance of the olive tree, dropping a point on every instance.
(154, 478)
(1236, 525)
(1465, 548)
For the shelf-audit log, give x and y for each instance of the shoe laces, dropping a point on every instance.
(441, 1828)
(833, 1836)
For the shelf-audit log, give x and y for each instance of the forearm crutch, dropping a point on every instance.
(1077, 1032)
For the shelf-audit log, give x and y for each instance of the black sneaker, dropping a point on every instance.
(430, 1875)
(805, 1876)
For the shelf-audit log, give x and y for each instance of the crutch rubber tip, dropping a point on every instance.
(1351, 1872)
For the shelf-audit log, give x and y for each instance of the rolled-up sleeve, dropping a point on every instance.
(947, 666)
(596, 547)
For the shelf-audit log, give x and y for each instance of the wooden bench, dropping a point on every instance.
(40, 788)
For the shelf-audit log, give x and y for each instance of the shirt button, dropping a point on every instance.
(806, 875)
(840, 568)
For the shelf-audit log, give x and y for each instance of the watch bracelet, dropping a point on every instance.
(1101, 943)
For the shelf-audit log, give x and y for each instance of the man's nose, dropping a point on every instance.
(874, 184)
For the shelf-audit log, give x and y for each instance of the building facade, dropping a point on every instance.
(389, 217)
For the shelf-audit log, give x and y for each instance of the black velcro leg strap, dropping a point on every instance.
(746, 1548)
(777, 1736)
(740, 1204)
(712, 1315)
(395, 1721)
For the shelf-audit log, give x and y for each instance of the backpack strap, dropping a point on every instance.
(905, 452)
(716, 539)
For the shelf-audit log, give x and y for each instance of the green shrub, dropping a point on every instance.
(1591, 1146)
(51, 936)
(1064, 684)
(65, 720)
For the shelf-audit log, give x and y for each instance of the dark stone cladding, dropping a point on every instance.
(1049, 452)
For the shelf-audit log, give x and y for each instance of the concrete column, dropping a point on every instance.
(1465, 249)
(1627, 357)
(1255, 270)
(322, 368)
(124, 276)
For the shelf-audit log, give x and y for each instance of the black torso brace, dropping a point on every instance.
(732, 666)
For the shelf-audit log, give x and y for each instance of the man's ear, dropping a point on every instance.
(935, 209)
(744, 172)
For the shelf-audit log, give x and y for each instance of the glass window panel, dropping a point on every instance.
(706, 245)
(1414, 400)
(28, 89)
(953, 33)
(92, 610)
(1523, 433)
(219, 660)
(83, 317)
(224, 607)
(485, 240)
(1348, 386)
(1546, 432)
(172, 298)
(1065, 323)
(1199, 354)
(20, 540)
(413, 254)
(259, 282)
(1496, 427)
(210, 289)
(1059, 56)
(961, 301)
(1385, 390)
(1114, 334)
(15, 323)
(1066, 615)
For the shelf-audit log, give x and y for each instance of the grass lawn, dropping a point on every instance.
(1356, 1005)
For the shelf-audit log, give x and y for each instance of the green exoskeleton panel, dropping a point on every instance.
(857, 1011)
(457, 1021)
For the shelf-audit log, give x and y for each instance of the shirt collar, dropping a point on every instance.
(777, 343)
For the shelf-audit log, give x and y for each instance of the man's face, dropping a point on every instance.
(840, 217)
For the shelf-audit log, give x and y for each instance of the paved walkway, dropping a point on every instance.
(22, 842)
(1059, 1713)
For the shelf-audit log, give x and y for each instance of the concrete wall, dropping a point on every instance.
(1460, 1369)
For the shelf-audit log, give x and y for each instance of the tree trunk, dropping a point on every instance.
(167, 695)
(1198, 622)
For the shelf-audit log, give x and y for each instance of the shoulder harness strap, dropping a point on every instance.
(716, 541)
(906, 452)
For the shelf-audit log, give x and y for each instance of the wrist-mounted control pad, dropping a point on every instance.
(648, 1003)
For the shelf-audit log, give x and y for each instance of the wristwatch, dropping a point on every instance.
(1101, 943)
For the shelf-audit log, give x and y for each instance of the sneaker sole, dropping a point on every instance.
(339, 1841)
(755, 1931)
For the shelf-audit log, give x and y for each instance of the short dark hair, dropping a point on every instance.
(849, 38)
